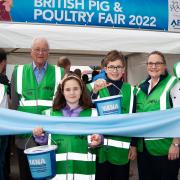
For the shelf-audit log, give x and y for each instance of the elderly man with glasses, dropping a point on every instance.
(33, 88)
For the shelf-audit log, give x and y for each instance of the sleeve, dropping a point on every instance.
(4, 102)
(175, 95)
(14, 96)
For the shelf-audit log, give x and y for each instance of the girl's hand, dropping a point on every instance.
(38, 131)
(96, 140)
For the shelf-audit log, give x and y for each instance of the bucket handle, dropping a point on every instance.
(111, 84)
(32, 136)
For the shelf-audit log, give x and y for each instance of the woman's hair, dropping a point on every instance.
(113, 56)
(160, 54)
(60, 102)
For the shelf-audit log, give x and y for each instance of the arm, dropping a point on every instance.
(14, 95)
(175, 97)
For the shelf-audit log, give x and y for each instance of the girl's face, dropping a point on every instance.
(115, 70)
(72, 92)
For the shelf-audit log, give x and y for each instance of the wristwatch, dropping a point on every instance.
(175, 144)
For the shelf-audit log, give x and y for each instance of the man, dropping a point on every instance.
(6, 139)
(3, 61)
(33, 88)
(3, 139)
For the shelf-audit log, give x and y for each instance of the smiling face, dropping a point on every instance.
(40, 52)
(155, 66)
(72, 92)
(115, 70)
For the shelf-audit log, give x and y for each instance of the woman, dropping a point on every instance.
(113, 157)
(157, 157)
(74, 159)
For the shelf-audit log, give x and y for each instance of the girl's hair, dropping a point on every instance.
(160, 54)
(60, 102)
(113, 56)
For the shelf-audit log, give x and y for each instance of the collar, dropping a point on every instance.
(35, 67)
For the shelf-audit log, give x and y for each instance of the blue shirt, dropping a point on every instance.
(39, 73)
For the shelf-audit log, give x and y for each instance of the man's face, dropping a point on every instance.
(40, 52)
(3, 67)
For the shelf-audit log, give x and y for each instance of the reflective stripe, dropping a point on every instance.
(57, 77)
(163, 96)
(35, 103)
(116, 143)
(177, 71)
(74, 177)
(131, 101)
(75, 156)
(19, 78)
(2, 91)
(153, 139)
(89, 139)
(94, 112)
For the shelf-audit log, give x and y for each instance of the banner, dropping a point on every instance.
(141, 14)
(151, 124)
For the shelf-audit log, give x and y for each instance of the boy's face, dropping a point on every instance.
(115, 70)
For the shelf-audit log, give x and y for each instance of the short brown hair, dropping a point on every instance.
(60, 102)
(113, 56)
(63, 62)
(160, 54)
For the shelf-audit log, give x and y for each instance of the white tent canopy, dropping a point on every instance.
(87, 45)
(90, 39)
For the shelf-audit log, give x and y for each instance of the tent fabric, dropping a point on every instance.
(85, 38)
(150, 124)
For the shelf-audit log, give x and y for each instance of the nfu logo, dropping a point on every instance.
(175, 23)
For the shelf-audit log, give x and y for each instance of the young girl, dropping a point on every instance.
(113, 158)
(74, 160)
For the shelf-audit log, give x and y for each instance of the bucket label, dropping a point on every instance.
(110, 109)
(40, 165)
(110, 106)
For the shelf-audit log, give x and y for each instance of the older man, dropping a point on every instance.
(33, 88)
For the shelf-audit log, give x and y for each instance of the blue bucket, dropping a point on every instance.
(42, 161)
(108, 105)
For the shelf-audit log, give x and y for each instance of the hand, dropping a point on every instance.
(96, 140)
(173, 152)
(132, 153)
(38, 131)
(100, 84)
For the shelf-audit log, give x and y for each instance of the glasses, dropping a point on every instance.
(117, 68)
(38, 51)
(156, 64)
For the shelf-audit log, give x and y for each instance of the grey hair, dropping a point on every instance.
(39, 39)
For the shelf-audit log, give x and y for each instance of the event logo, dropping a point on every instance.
(5, 7)
(174, 6)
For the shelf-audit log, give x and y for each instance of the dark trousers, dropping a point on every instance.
(157, 167)
(24, 169)
(108, 171)
(3, 148)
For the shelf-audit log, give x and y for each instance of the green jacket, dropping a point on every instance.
(159, 99)
(115, 149)
(73, 157)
